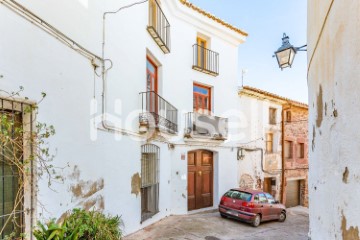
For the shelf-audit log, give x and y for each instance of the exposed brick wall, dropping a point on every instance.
(296, 167)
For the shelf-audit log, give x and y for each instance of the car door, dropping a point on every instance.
(273, 210)
(264, 206)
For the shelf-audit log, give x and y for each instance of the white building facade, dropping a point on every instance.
(261, 166)
(166, 143)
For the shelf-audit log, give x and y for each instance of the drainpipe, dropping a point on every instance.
(262, 160)
(283, 152)
(104, 71)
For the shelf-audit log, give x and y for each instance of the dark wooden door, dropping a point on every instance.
(200, 179)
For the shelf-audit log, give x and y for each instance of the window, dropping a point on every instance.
(11, 192)
(201, 52)
(151, 76)
(149, 181)
(151, 86)
(202, 99)
(269, 142)
(159, 26)
(153, 13)
(288, 116)
(272, 115)
(270, 198)
(244, 196)
(262, 198)
(288, 149)
(300, 150)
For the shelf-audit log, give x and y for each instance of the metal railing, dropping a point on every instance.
(157, 112)
(159, 27)
(197, 124)
(205, 60)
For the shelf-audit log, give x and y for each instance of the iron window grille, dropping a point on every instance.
(159, 27)
(12, 194)
(205, 60)
(149, 181)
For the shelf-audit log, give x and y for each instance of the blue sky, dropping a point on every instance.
(265, 21)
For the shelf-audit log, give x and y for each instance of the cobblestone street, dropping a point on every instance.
(210, 226)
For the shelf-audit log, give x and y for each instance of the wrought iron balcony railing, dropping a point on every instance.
(197, 124)
(158, 113)
(159, 27)
(205, 60)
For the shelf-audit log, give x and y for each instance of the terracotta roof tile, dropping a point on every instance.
(272, 95)
(216, 19)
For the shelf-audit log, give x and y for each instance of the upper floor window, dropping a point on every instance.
(201, 52)
(151, 76)
(288, 147)
(202, 99)
(269, 142)
(205, 60)
(288, 116)
(300, 150)
(272, 115)
(159, 27)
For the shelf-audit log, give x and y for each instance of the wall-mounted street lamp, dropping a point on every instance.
(286, 53)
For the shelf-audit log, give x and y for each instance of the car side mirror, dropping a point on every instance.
(276, 202)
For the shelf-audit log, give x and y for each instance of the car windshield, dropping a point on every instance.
(244, 196)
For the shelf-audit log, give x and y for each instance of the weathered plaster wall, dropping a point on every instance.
(333, 77)
(255, 118)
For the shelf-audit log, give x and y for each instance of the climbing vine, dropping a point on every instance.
(25, 156)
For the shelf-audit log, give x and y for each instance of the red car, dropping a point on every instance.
(251, 206)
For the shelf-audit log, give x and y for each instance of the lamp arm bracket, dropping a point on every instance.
(301, 48)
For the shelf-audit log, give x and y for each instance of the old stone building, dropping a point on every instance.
(295, 155)
(271, 122)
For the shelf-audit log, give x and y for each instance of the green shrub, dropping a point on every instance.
(81, 225)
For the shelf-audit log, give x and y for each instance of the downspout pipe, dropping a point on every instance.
(104, 71)
(262, 160)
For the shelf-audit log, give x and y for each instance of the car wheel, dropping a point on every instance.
(222, 215)
(256, 221)
(282, 217)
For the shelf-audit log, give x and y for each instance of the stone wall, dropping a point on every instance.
(296, 167)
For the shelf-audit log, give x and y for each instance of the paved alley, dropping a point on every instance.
(210, 226)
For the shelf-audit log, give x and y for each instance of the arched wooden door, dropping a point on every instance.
(200, 179)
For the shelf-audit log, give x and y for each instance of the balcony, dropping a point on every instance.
(159, 27)
(157, 113)
(205, 60)
(201, 125)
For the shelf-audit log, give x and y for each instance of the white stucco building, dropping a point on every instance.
(167, 144)
(261, 166)
(272, 121)
(333, 79)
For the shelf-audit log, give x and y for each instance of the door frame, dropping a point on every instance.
(213, 178)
